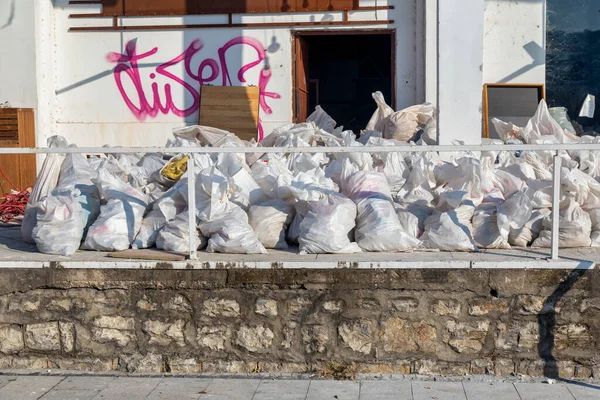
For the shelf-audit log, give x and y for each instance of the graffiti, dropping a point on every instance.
(144, 104)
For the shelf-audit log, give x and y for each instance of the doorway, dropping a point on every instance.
(339, 71)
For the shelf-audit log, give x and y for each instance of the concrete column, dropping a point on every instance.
(460, 59)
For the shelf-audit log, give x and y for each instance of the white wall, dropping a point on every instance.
(17, 47)
(514, 41)
(87, 106)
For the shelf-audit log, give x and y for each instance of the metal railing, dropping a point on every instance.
(191, 194)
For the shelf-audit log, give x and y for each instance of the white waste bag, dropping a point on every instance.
(46, 181)
(561, 116)
(322, 120)
(270, 220)
(401, 126)
(174, 236)
(444, 232)
(151, 225)
(326, 226)
(412, 218)
(120, 218)
(575, 227)
(59, 227)
(223, 222)
(383, 111)
(514, 213)
(524, 236)
(377, 225)
(293, 234)
(485, 227)
(231, 233)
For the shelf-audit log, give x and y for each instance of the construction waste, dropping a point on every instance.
(322, 203)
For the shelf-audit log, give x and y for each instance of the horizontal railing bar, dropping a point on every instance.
(352, 149)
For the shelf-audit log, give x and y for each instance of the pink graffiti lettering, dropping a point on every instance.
(144, 105)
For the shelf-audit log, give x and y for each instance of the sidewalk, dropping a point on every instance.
(158, 388)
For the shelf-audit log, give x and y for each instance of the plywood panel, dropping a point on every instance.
(232, 108)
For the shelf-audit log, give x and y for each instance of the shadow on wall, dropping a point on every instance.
(537, 53)
(10, 14)
(547, 325)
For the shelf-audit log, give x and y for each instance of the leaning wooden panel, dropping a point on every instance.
(17, 129)
(232, 108)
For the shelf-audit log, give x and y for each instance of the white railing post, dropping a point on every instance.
(556, 205)
(191, 201)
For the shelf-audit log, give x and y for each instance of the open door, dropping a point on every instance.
(301, 80)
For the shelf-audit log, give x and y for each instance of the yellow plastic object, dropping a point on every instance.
(175, 168)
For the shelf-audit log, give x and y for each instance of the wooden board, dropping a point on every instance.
(515, 103)
(147, 254)
(17, 129)
(232, 108)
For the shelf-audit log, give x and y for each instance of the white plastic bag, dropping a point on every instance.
(383, 111)
(151, 225)
(231, 233)
(322, 120)
(412, 218)
(524, 236)
(514, 213)
(485, 227)
(59, 227)
(326, 226)
(575, 227)
(174, 236)
(270, 220)
(120, 218)
(443, 231)
(46, 181)
(377, 224)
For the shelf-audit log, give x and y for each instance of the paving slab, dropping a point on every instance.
(28, 387)
(385, 390)
(537, 391)
(490, 391)
(438, 391)
(129, 389)
(584, 391)
(334, 390)
(231, 389)
(179, 388)
(97, 383)
(70, 395)
(281, 390)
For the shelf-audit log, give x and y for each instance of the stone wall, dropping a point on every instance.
(432, 322)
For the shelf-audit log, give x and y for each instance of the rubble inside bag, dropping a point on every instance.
(270, 220)
(326, 226)
(120, 218)
(575, 227)
(174, 236)
(223, 222)
(525, 236)
(151, 225)
(486, 232)
(377, 224)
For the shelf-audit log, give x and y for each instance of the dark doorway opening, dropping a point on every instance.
(340, 71)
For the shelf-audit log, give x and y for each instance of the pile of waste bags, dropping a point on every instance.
(321, 203)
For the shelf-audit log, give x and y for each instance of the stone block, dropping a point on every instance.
(180, 365)
(140, 363)
(11, 339)
(482, 366)
(572, 336)
(67, 336)
(315, 338)
(466, 337)
(532, 305)
(165, 333)
(117, 329)
(436, 367)
(518, 336)
(178, 303)
(221, 308)
(503, 367)
(405, 304)
(266, 307)
(446, 307)
(486, 306)
(298, 306)
(227, 367)
(333, 306)
(145, 304)
(115, 322)
(289, 331)
(63, 304)
(357, 335)
(216, 337)
(582, 372)
(43, 337)
(399, 335)
(254, 338)
(368, 303)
